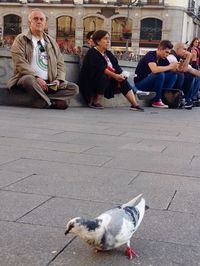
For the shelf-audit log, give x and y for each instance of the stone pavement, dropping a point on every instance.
(55, 165)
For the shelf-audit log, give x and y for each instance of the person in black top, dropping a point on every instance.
(101, 75)
(154, 72)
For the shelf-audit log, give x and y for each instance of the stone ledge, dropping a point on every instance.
(72, 67)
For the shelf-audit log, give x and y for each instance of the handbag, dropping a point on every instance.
(173, 98)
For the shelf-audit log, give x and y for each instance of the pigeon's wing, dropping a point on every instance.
(118, 228)
(132, 202)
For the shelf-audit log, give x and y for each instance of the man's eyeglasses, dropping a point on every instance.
(41, 47)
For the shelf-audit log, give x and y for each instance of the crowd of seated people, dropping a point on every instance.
(168, 67)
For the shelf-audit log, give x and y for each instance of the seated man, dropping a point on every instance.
(37, 62)
(154, 72)
(185, 73)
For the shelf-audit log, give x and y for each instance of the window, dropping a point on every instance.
(92, 24)
(121, 32)
(65, 35)
(12, 27)
(150, 32)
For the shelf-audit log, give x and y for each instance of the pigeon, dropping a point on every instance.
(112, 228)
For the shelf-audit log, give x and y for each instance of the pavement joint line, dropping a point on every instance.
(166, 242)
(18, 180)
(61, 197)
(34, 208)
(193, 157)
(171, 200)
(157, 173)
(61, 250)
(27, 193)
(84, 164)
(48, 149)
(91, 133)
(164, 149)
(5, 163)
(33, 224)
(133, 179)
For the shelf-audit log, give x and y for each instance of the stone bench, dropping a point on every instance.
(72, 67)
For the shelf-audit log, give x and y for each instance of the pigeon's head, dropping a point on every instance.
(73, 225)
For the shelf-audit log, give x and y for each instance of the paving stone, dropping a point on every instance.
(150, 161)
(14, 204)
(59, 164)
(165, 188)
(171, 227)
(25, 244)
(58, 211)
(102, 188)
(186, 201)
(9, 177)
(17, 143)
(150, 253)
(60, 156)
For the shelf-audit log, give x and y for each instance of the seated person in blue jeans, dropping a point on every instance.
(154, 72)
(186, 74)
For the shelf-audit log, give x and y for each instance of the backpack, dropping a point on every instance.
(173, 98)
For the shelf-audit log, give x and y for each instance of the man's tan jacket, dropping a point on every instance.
(22, 51)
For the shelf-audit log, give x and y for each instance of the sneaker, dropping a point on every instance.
(137, 108)
(196, 103)
(96, 106)
(144, 95)
(159, 104)
(188, 105)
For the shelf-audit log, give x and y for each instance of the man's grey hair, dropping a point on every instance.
(33, 10)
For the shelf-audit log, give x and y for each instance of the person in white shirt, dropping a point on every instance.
(185, 72)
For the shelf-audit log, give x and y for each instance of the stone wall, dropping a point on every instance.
(72, 67)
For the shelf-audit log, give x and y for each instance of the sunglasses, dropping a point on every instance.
(41, 47)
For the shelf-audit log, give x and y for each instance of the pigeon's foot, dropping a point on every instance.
(131, 253)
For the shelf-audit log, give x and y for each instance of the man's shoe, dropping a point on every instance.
(188, 105)
(58, 104)
(96, 106)
(145, 95)
(196, 103)
(137, 108)
(39, 103)
(159, 104)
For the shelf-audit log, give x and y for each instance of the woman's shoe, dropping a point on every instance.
(137, 108)
(96, 106)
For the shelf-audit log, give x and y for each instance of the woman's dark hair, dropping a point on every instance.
(192, 42)
(164, 44)
(98, 35)
(89, 34)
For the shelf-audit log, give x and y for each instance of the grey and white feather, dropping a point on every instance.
(112, 228)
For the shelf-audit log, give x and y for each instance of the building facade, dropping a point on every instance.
(134, 24)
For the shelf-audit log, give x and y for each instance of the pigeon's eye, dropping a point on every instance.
(71, 226)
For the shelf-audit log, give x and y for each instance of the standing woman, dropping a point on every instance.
(101, 75)
(195, 63)
(194, 49)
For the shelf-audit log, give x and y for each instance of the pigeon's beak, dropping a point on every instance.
(67, 231)
(69, 228)
(146, 207)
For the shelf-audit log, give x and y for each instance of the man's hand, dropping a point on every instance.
(42, 84)
(57, 82)
(174, 66)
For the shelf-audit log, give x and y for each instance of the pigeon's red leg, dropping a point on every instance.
(130, 252)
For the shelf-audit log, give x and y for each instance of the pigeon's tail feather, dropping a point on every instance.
(141, 208)
(132, 202)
